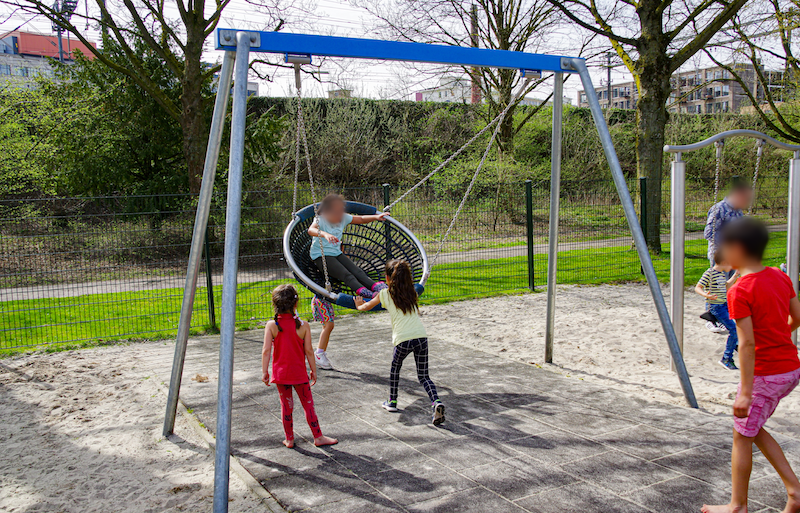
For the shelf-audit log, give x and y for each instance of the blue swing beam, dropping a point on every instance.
(237, 46)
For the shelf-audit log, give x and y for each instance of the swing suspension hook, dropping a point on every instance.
(759, 153)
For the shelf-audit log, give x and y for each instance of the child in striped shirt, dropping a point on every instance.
(713, 286)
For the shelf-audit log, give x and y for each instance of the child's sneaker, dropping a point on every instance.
(390, 406)
(728, 364)
(716, 328)
(438, 413)
(379, 286)
(365, 293)
(322, 361)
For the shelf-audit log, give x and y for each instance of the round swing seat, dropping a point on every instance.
(369, 246)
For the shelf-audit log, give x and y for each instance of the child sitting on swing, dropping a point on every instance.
(327, 233)
(713, 286)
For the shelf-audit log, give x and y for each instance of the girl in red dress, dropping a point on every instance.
(289, 339)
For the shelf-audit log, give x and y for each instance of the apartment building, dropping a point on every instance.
(25, 55)
(705, 91)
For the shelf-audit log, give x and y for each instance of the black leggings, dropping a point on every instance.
(343, 269)
(418, 346)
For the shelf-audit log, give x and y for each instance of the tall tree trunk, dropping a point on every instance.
(193, 116)
(651, 118)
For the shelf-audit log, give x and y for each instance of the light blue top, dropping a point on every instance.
(331, 250)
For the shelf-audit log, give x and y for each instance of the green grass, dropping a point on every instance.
(153, 315)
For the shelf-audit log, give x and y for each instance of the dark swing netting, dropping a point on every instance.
(369, 246)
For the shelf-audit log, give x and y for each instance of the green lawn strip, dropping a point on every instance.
(153, 315)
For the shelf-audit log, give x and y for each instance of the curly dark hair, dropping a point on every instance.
(284, 301)
(401, 285)
(329, 200)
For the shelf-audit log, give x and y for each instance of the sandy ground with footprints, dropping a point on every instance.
(82, 429)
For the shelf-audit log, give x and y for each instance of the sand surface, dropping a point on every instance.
(608, 334)
(81, 432)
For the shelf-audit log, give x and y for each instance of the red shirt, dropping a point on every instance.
(288, 354)
(765, 296)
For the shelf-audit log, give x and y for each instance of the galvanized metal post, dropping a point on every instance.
(529, 230)
(638, 236)
(643, 205)
(555, 194)
(233, 213)
(677, 240)
(198, 235)
(793, 237)
(212, 317)
(387, 228)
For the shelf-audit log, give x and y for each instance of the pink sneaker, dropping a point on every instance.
(379, 286)
(365, 293)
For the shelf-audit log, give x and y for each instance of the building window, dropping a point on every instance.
(5, 69)
(717, 75)
(725, 107)
(709, 108)
(615, 93)
(583, 98)
(440, 94)
(628, 104)
(726, 90)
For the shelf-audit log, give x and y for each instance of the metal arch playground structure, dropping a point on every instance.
(678, 211)
(237, 46)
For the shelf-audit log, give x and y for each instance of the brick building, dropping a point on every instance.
(705, 91)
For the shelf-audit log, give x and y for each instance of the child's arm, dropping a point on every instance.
(369, 219)
(732, 279)
(366, 307)
(315, 231)
(747, 362)
(794, 314)
(266, 351)
(309, 350)
(700, 288)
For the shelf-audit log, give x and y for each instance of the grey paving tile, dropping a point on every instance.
(590, 423)
(474, 500)
(618, 472)
(557, 447)
(578, 497)
(466, 452)
(353, 431)
(506, 426)
(463, 407)
(271, 462)
(317, 487)
(647, 442)
(425, 481)
(705, 463)
(519, 477)
(717, 434)
(371, 504)
(683, 494)
(418, 434)
(768, 490)
(374, 456)
(669, 417)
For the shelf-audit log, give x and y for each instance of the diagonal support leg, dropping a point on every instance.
(198, 236)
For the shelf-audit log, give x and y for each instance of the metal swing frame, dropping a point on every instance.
(677, 273)
(237, 46)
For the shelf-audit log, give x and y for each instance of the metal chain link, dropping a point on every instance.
(301, 134)
(719, 146)
(296, 158)
(759, 154)
(444, 164)
(501, 117)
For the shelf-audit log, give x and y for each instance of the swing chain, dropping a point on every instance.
(500, 119)
(759, 154)
(301, 134)
(719, 145)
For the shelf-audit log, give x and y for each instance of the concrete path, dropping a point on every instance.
(517, 438)
(251, 276)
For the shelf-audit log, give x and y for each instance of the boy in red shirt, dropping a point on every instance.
(765, 307)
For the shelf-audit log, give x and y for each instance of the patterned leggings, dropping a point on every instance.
(287, 406)
(418, 346)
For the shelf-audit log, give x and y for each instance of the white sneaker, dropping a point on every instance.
(715, 328)
(322, 361)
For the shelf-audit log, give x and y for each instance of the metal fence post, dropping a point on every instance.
(212, 318)
(233, 212)
(793, 230)
(529, 229)
(643, 204)
(387, 228)
(677, 214)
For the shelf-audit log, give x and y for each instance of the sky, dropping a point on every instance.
(341, 18)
